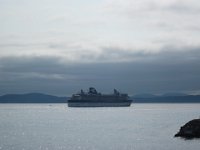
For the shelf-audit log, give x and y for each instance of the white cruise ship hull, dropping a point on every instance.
(98, 104)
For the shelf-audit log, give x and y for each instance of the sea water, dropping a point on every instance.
(58, 127)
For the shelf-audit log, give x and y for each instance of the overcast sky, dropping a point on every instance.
(137, 46)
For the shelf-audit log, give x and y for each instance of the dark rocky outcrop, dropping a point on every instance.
(190, 130)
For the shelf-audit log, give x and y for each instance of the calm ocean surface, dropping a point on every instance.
(57, 127)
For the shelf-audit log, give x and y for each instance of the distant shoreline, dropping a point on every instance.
(44, 98)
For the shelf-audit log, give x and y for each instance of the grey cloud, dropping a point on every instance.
(18, 45)
(146, 6)
(34, 74)
(189, 7)
(182, 7)
(56, 46)
(173, 69)
(29, 63)
(195, 28)
(179, 54)
(173, 15)
(23, 44)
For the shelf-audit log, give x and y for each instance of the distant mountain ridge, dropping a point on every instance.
(174, 94)
(32, 98)
(139, 98)
(144, 95)
(149, 95)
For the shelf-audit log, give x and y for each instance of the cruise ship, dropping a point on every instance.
(94, 99)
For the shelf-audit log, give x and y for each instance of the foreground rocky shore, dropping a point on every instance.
(190, 130)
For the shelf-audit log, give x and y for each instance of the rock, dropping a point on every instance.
(190, 130)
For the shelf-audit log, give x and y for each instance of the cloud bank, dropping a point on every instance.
(156, 73)
(136, 46)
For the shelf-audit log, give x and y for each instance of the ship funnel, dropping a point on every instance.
(92, 90)
(116, 92)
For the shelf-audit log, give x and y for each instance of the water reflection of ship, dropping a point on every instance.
(94, 99)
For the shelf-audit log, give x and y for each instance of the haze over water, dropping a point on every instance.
(55, 126)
